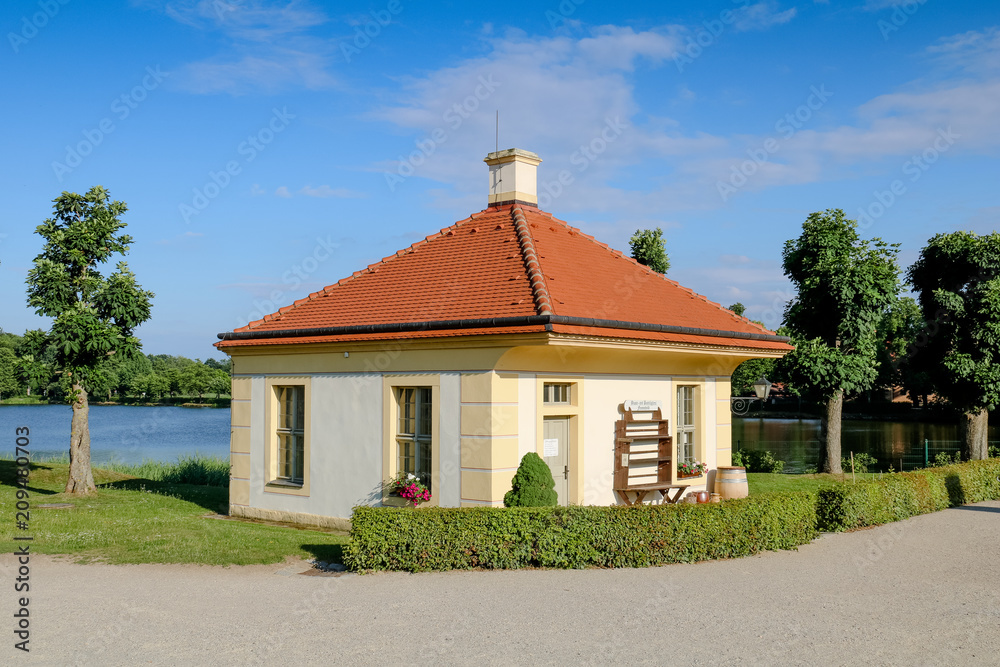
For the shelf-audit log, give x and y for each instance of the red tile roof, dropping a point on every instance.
(507, 269)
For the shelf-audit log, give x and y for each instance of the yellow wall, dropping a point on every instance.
(489, 416)
(239, 443)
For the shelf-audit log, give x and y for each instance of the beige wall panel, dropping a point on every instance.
(240, 466)
(239, 492)
(240, 413)
(484, 420)
(723, 388)
(724, 437)
(724, 457)
(505, 388)
(239, 441)
(477, 453)
(483, 485)
(476, 387)
(723, 412)
(241, 389)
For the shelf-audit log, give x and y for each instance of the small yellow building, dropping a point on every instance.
(508, 332)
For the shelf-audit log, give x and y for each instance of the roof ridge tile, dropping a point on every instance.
(543, 301)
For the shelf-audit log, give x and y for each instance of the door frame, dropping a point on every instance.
(573, 410)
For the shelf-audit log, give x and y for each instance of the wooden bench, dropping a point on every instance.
(643, 459)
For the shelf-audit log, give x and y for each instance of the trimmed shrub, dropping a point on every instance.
(847, 506)
(755, 461)
(532, 485)
(385, 538)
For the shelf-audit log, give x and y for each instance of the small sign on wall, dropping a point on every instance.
(550, 447)
(643, 406)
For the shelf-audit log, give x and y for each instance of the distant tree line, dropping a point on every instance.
(28, 368)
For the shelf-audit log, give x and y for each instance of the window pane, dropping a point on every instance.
(285, 446)
(298, 398)
(407, 458)
(553, 392)
(424, 401)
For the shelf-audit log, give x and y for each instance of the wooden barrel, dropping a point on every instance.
(731, 482)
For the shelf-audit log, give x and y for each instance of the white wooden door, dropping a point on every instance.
(555, 445)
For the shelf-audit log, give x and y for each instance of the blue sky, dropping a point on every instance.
(266, 149)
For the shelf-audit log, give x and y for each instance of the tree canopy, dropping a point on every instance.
(843, 286)
(649, 249)
(957, 278)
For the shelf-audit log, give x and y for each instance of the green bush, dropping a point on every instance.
(532, 485)
(863, 462)
(945, 459)
(846, 506)
(755, 461)
(385, 538)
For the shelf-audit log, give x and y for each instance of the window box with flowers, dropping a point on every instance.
(409, 487)
(691, 469)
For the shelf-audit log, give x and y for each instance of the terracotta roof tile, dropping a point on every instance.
(506, 262)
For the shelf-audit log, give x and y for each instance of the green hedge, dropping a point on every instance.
(847, 506)
(427, 539)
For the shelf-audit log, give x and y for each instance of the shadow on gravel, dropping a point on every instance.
(973, 508)
(328, 553)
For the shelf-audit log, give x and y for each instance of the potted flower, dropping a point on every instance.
(408, 486)
(691, 469)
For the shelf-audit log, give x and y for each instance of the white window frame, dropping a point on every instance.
(421, 438)
(296, 432)
(686, 430)
(557, 393)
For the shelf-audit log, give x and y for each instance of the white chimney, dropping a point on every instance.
(513, 177)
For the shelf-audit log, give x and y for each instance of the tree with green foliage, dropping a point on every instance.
(844, 284)
(749, 372)
(737, 308)
(898, 330)
(649, 249)
(222, 383)
(8, 372)
(533, 485)
(196, 378)
(957, 278)
(94, 316)
(36, 357)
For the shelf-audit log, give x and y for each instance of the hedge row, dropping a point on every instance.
(575, 537)
(848, 506)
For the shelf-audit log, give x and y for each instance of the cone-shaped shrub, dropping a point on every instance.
(532, 485)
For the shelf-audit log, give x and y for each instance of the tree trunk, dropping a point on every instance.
(974, 427)
(81, 479)
(829, 457)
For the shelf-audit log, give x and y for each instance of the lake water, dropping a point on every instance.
(901, 444)
(122, 433)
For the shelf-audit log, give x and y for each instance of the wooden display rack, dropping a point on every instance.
(643, 459)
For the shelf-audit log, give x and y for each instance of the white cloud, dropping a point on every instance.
(976, 51)
(270, 47)
(282, 191)
(761, 16)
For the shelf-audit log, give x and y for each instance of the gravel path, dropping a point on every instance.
(925, 591)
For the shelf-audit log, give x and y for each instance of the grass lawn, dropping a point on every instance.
(762, 482)
(135, 520)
